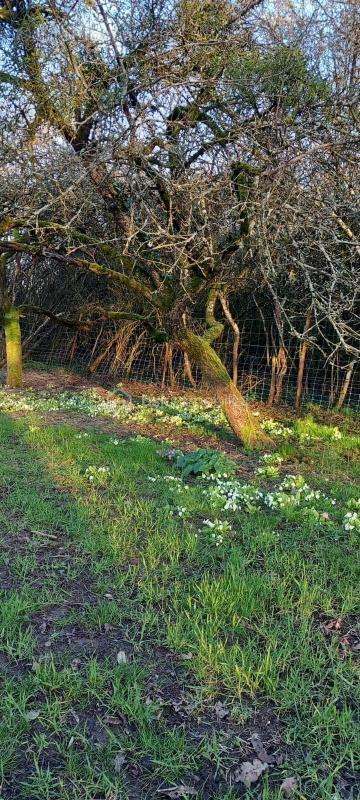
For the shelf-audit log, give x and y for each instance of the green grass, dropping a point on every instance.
(127, 621)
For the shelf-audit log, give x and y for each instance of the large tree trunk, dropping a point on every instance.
(239, 415)
(13, 347)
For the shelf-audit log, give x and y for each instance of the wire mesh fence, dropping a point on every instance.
(129, 355)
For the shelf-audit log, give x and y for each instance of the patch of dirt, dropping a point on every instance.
(56, 379)
(344, 631)
(160, 432)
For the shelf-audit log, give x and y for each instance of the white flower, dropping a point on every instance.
(276, 428)
(352, 521)
(97, 475)
(337, 434)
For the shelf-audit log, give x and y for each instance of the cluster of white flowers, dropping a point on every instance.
(230, 495)
(269, 465)
(175, 412)
(275, 428)
(182, 511)
(292, 492)
(82, 435)
(352, 521)
(354, 503)
(337, 434)
(12, 402)
(292, 482)
(218, 527)
(97, 475)
(304, 431)
(280, 500)
(318, 435)
(175, 483)
(115, 441)
(271, 458)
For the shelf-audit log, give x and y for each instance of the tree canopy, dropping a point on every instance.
(159, 157)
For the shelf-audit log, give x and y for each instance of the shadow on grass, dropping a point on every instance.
(82, 697)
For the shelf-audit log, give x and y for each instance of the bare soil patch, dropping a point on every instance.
(57, 379)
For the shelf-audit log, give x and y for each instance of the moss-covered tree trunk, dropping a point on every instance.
(238, 413)
(11, 318)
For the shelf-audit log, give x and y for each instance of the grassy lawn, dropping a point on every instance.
(158, 628)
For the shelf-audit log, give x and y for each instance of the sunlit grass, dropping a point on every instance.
(246, 613)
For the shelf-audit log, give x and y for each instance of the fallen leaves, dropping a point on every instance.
(333, 625)
(121, 657)
(288, 786)
(250, 772)
(119, 762)
(31, 715)
(221, 711)
(348, 638)
(260, 751)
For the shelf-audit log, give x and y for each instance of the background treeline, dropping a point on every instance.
(181, 177)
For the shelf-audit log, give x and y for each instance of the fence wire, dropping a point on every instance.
(136, 358)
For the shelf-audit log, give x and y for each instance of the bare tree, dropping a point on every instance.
(179, 152)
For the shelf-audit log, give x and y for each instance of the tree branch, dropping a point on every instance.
(215, 328)
(68, 323)
(120, 278)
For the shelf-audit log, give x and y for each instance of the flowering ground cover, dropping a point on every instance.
(168, 631)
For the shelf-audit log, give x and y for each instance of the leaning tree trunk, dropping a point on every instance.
(345, 386)
(239, 415)
(13, 347)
